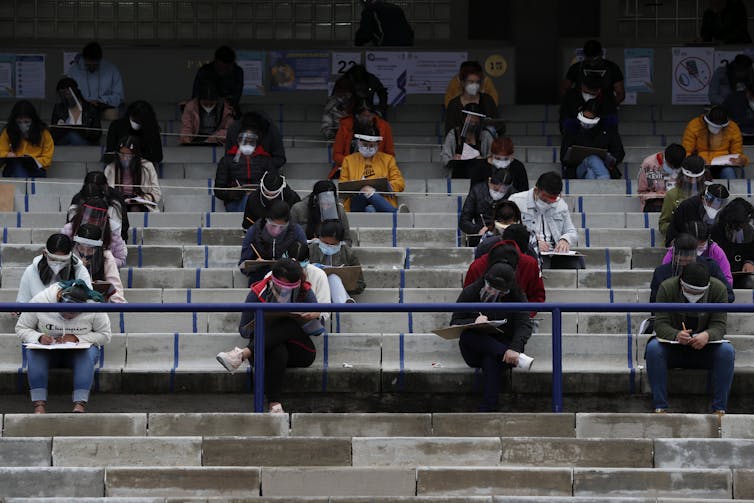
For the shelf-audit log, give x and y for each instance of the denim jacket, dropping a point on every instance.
(557, 219)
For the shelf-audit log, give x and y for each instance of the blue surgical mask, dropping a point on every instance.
(304, 263)
(329, 249)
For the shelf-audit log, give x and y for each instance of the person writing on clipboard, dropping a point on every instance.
(545, 214)
(367, 164)
(590, 150)
(691, 339)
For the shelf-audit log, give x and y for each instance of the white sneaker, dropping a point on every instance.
(277, 409)
(231, 360)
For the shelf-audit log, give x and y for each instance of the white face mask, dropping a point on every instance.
(246, 149)
(56, 266)
(711, 212)
(701, 249)
(472, 89)
(587, 96)
(542, 206)
(209, 108)
(367, 152)
(501, 163)
(134, 125)
(693, 298)
(713, 129)
(496, 195)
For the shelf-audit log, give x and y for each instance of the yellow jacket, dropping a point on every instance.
(42, 152)
(454, 89)
(697, 138)
(382, 165)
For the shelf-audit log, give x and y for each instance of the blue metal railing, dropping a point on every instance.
(556, 308)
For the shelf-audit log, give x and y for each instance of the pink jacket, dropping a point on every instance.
(715, 253)
(190, 122)
(112, 276)
(117, 246)
(652, 179)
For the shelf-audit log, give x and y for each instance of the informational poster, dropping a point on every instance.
(7, 65)
(692, 70)
(299, 70)
(722, 55)
(639, 69)
(252, 64)
(341, 62)
(390, 68)
(430, 72)
(68, 57)
(30, 75)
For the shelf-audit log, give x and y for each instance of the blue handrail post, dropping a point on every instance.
(259, 361)
(557, 360)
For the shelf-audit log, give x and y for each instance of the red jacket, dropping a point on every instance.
(528, 276)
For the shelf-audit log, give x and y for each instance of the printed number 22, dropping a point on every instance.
(342, 65)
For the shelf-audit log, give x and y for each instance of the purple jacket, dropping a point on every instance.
(714, 252)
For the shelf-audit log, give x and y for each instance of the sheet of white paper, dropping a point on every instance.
(469, 152)
(64, 345)
(723, 160)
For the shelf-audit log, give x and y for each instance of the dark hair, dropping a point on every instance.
(133, 144)
(315, 217)
(700, 230)
(504, 253)
(332, 229)
(470, 65)
(255, 122)
(56, 243)
(592, 105)
(366, 129)
(95, 185)
(718, 115)
(464, 73)
(207, 90)
(92, 51)
(69, 83)
(288, 270)
(685, 242)
(362, 105)
(519, 234)
(592, 48)
(24, 108)
(738, 211)
(551, 182)
(97, 202)
(96, 265)
(505, 210)
(225, 54)
(472, 107)
(696, 274)
(501, 276)
(298, 251)
(59, 243)
(143, 113)
(279, 210)
(675, 154)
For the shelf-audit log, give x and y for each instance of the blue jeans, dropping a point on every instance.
(717, 358)
(728, 173)
(485, 352)
(237, 205)
(14, 168)
(82, 361)
(375, 204)
(72, 138)
(592, 168)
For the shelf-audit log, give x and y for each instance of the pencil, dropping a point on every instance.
(684, 326)
(258, 255)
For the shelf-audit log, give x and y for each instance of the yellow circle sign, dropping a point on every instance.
(495, 65)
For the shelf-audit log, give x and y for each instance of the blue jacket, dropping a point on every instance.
(104, 85)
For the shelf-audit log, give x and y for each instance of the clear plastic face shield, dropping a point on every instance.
(247, 143)
(367, 145)
(271, 194)
(693, 293)
(328, 209)
(56, 262)
(94, 215)
(283, 290)
(682, 258)
(689, 182)
(712, 205)
(68, 96)
(472, 124)
(86, 248)
(67, 298)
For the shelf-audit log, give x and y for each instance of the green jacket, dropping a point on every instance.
(667, 325)
(672, 199)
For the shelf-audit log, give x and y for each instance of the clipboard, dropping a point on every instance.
(269, 317)
(455, 331)
(349, 275)
(27, 162)
(252, 265)
(577, 153)
(101, 286)
(379, 184)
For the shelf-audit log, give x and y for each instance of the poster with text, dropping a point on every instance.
(7, 67)
(30, 75)
(299, 70)
(390, 68)
(692, 70)
(722, 55)
(638, 70)
(252, 64)
(430, 72)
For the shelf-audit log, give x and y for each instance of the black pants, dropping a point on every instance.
(285, 346)
(483, 351)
